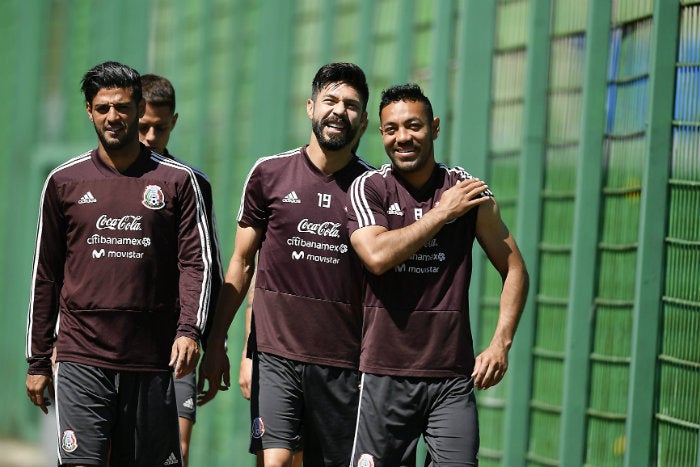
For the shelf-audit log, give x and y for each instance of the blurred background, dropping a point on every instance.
(583, 116)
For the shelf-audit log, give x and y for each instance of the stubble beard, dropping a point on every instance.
(129, 136)
(414, 165)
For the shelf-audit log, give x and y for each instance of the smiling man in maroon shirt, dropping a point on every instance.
(306, 316)
(413, 223)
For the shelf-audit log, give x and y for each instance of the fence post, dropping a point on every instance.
(649, 287)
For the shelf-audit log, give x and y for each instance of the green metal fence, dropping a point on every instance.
(677, 411)
(582, 115)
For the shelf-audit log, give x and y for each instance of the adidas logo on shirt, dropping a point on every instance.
(171, 460)
(395, 209)
(87, 198)
(291, 198)
(189, 404)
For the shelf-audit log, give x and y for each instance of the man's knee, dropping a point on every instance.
(274, 457)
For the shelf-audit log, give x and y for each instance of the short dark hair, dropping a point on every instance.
(158, 91)
(341, 72)
(405, 92)
(110, 75)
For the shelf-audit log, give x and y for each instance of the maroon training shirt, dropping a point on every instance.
(308, 287)
(117, 255)
(416, 316)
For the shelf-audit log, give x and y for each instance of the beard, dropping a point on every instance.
(334, 142)
(122, 141)
(416, 164)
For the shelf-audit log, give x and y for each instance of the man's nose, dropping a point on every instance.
(340, 108)
(402, 134)
(112, 113)
(151, 135)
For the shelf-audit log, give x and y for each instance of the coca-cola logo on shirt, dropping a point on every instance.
(324, 229)
(119, 223)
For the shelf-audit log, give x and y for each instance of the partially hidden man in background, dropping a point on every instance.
(155, 127)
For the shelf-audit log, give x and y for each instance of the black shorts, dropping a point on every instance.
(298, 405)
(130, 414)
(395, 411)
(186, 396)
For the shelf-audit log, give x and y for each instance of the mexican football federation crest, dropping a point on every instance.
(258, 428)
(365, 460)
(69, 442)
(153, 197)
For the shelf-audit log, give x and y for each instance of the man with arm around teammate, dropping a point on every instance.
(413, 223)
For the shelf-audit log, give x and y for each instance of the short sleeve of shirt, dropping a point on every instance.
(366, 202)
(254, 209)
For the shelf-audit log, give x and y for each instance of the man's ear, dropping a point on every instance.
(363, 125)
(436, 127)
(174, 121)
(310, 108)
(88, 109)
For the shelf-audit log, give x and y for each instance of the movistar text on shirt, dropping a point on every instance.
(127, 223)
